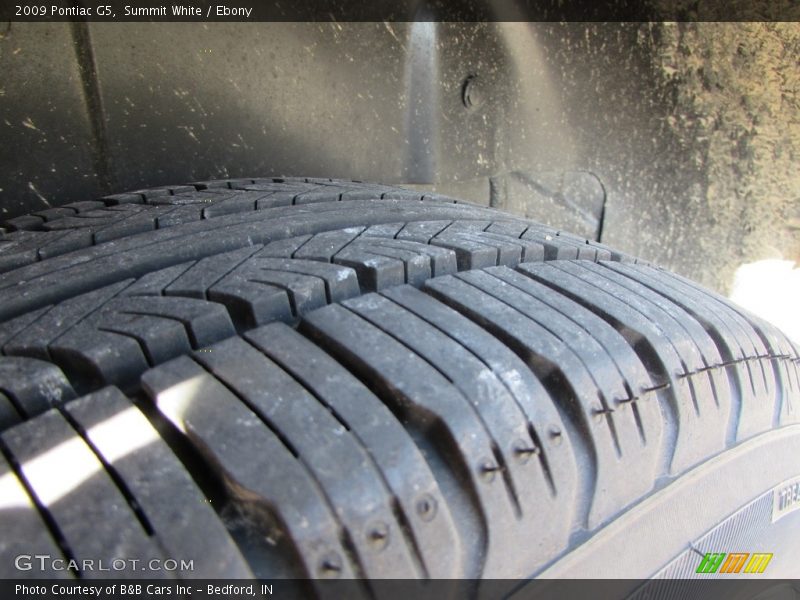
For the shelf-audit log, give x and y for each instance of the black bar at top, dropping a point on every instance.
(398, 10)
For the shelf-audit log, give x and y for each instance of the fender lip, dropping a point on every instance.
(660, 527)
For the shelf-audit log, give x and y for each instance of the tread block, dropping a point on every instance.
(513, 229)
(83, 206)
(283, 248)
(12, 260)
(195, 282)
(24, 531)
(21, 247)
(636, 378)
(340, 282)
(160, 339)
(402, 195)
(325, 447)
(99, 217)
(390, 447)
(768, 342)
(420, 395)
(178, 215)
(388, 230)
(558, 248)
(264, 185)
(325, 194)
(205, 322)
(140, 219)
(753, 380)
(276, 491)
(116, 343)
(275, 200)
(511, 249)
(690, 339)
(377, 269)
(151, 193)
(533, 400)
(442, 260)
(529, 486)
(193, 197)
(383, 263)
(72, 240)
(33, 341)
(615, 445)
(55, 213)
(25, 223)
(698, 426)
(262, 290)
(422, 231)
(32, 385)
(477, 248)
(61, 236)
(126, 198)
(370, 194)
(19, 241)
(183, 521)
(9, 414)
(324, 246)
(379, 262)
(90, 511)
(252, 303)
(95, 358)
(302, 291)
(155, 283)
(441, 198)
(619, 375)
(229, 183)
(470, 253)
(238, 203)
(10, 328)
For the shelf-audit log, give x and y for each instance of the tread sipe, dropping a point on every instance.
(321, 379)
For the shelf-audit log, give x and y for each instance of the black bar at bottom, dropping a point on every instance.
(605, 589)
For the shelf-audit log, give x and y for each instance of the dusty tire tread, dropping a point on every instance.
(422, 374)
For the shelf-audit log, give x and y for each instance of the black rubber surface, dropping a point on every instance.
(323, 379)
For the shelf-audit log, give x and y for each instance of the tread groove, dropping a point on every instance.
(605, 410)
(142, 345)
(112, 472)
(556, 389)
(499, 459)
(436, 435)
(530, 426)
(730, 337)
(399, 513)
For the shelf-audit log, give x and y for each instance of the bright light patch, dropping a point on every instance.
(175, 401)
(12, 495)
(122, 434)
(60, 470)
(65, 467)
(771, 289)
